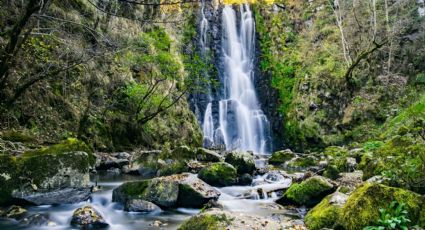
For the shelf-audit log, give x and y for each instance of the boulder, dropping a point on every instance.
(138, 205)
(326, 213)
(194, 192)
(87, 218)
(207, 155)
(245, 179)
(106, 161)
(302, 162)
(308, 192)
(183, 190)
(58, 196)
(362, 206)
(39, 176)
(350, 181)
(281, 157)
(14, 212)
(219, 174)
(219, 219)
(38, 219)
(242, 161)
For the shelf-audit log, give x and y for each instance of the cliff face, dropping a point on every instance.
(82, 73)
(342, 71)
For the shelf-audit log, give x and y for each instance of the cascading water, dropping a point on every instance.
(242, 124)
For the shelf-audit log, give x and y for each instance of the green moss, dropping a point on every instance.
(135, 189)
(362, 207)
(40, 167)
(303, 162)
(323, 215)
(205, 222)
(307, 192)
(174, 167)
(332, 172)
(68, 145)
(17, 136)
(281, 157)
(219, 174)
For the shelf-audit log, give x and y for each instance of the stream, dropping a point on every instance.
(239, 199)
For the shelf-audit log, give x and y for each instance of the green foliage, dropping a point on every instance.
(395, 217)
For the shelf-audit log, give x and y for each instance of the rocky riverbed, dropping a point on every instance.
(188, 188)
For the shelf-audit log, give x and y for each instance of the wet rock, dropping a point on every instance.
(158, 224)
(183, 190)
(245, 179)
(41, 173)
(38, 219)
(219, 219)
(308, 192)
(14, 212)
(106, 161)
(87, 217)
(207, 155)
(242, 161)
(58, 196)
(302, 162)
(194, 192)
(326, 213)
(281, 157)
(138, 205)
(219, 174)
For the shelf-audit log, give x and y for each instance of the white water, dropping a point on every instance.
(242, 123)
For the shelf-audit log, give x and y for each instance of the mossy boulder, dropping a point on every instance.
(219, 174)
(88, 218)
(242, 161)
(182, 190)
(303, 162)
(308, 192)
(362, 207)
(39, 176)
(213, 219)
(326, 213)
(207, 155)
(281, 157)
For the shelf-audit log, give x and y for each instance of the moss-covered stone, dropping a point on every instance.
(205, 222)
(308, 192)
(219, 174)
(281, 157)
(362, 207)
(242, 161)
(302, 162)
(130, 190)
(207, 155)
(326, 213)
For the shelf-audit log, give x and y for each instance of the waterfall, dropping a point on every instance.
(249, 125)
(241, 122)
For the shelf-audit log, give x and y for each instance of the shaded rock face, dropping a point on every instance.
(219, 219)
(87, 217)
(38, 219)
(242, 161)
(44, 178)
(14, 212)
(280, 157)
(182, 190)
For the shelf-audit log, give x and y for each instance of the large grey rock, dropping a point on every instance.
(87, 218)
(138, 205)
(182, 190)
(58, 196)
(208, 155)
